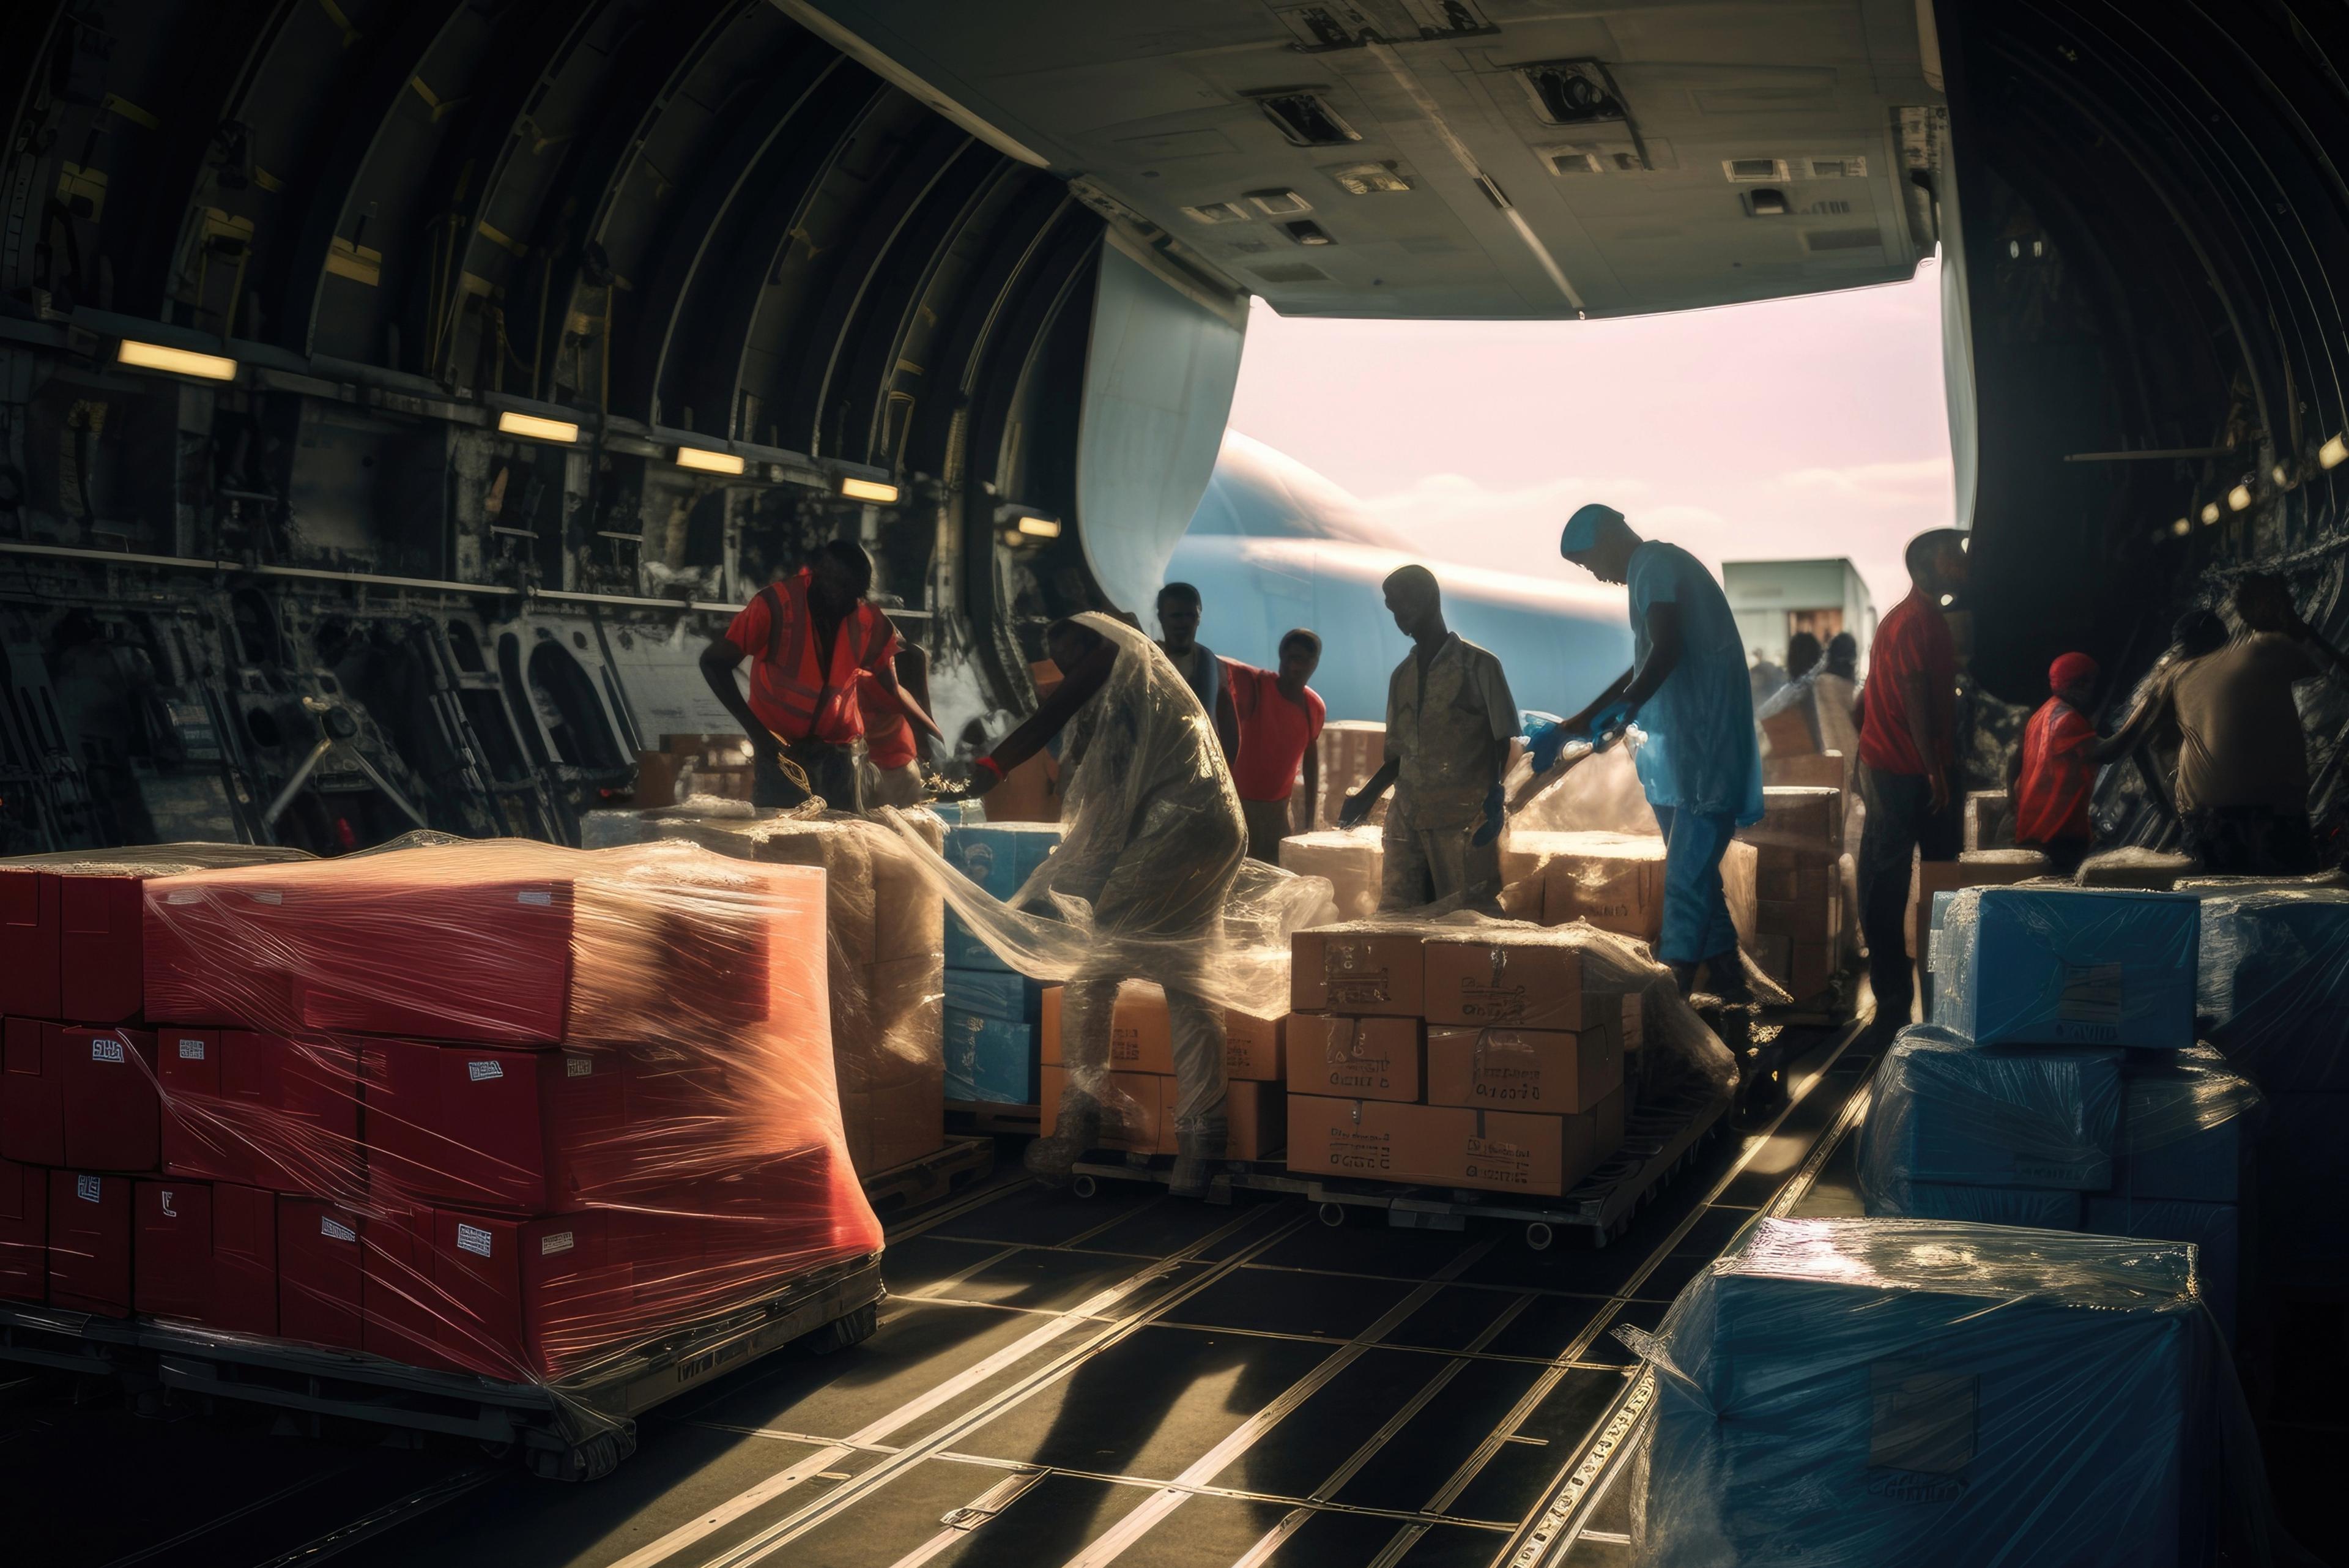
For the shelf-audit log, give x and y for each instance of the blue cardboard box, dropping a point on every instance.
(996, 993)
(999, 856)
(2185, 1131)
(1948, 1110)
(2275, 986)
(2071, 966)
(1931, 1394)
(2036, 1207)
(989, 1061)
(2216, 1231)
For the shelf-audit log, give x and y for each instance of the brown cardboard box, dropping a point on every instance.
(1138, 1115)
(1607, 1126)
(1357, 968)
(1440, 1146)
(1614, 880)
(1350, 751)
(1253, 1048)
(1142, 1035)
(1356, 1058)
(2009, 866)
(1830, 769)
(1788, 732)
(1258, 1114)
(1783, 879)
(1509, 977)
(1635, 1031)
(1804, 819)
(1990, 820)
(657, 775)
(1810, 967)
(1352, 860)
(1524, 1069)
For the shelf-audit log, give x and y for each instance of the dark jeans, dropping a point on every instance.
(831, 769)
(1901, 822)
(2250, 841)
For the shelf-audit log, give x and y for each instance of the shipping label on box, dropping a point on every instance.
(1356, 1058)
(1358, 969)
(1341, 1137)
(1524, 1069)
(1252, 1048)
(1524, 979)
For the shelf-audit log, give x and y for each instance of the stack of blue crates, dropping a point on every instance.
(993, 1016)
(2060, 1086)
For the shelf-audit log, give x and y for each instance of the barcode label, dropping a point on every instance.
(89, 1189)
(106, 1051)
(2092, 993)
(191, 1050)
(536, 895)
(477, 1071)
(269, 897)
(334, 1229)
(578, 1067)
(474, 1240)
(558, 1242)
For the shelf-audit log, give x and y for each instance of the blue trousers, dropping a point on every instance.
(1696, 912)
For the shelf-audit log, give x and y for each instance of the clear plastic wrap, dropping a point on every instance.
(499, 1109)
(2135, 866)
(2065, 966)
(1924, 1392)
(1600, 793)
(2273, 988)
(1947, 1112)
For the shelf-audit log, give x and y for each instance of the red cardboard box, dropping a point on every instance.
(32, 1093)
(100, 978)
(260, 1110)
(29, 933)
(319, 1270)
(113, 1110)
(206, 1254)
(24, 1231)
(541, 1132)
(90, 1243)
(520, 1300)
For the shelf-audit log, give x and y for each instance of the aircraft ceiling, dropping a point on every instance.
(1496, 159)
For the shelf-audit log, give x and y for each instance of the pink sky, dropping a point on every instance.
(1796, 428)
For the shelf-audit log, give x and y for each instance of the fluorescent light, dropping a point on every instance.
(2181, 527)
(871, 490)
(2210, 513)
(1040, 528)
(2334, 453)
(177, 361)
(709, 462)
(2240, 498)
(1948, 599)
(536, 429)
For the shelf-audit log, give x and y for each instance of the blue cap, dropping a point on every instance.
(1582, 529)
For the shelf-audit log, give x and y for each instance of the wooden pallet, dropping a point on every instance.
(995, 1120)
(935, 1175)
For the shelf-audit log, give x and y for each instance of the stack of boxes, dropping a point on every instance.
(712, 766)
(2061, 1087)
(1451, 1056)
(1348, 750)
(1353, 860)
(1142, 1096)
(993, 1015)
(485, 1108)
(1798, 908)
(1615, 881)
(883, 942)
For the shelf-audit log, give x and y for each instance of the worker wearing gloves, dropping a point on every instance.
(1449, 719)
(1701, 766)
(1152, 842)
(2053, 771)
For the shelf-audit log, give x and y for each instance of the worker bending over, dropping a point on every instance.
(1908, 755)
(2148, 738)
(1201, 672)
(1152, 840)
(1701, 766)
(2242, 756)
(1449, 719)
(2054, 773)
(1280, 719)
(811, 641)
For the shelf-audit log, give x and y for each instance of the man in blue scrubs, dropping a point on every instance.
(1700, 765)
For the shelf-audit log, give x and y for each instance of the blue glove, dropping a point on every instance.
(1611, 719)
(1496, 806)
(1545, 738)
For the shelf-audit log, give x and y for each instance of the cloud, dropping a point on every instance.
(1452, 517)
(1927, 480)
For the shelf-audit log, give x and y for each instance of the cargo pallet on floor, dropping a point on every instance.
(920, 1182)
(577, 1429)
(1659, 1140)
(990, 1121)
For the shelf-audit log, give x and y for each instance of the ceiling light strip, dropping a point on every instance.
(1467, 160)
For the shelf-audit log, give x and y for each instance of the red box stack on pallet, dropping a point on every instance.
(498, 1108)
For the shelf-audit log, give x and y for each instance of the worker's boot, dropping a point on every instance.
(1724, 976)
(1684, 978)
(1198, 1156)
(1078, 1129)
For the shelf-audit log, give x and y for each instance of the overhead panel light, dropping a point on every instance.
(1217, 213)
(871, 490)
(2240, 498)
(2211, 514)
(1753, 171)
(1767, 203)
(177, 361)
(1306, 232)
(1306, 120)
(1838, 168)
(1571, 92)
(1279, 203)
(2181, 527)
(1040, 528)
(709, 462)
(536, 429)
(2334, 453)
(1371, 179)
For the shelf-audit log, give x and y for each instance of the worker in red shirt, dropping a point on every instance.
(1280, 719)
(892, 767)
(2055, 770)
(1908, 760)
(802, 706)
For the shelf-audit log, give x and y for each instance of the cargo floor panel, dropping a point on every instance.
(1035, 1279)
(1273, 1302)
(1444, 1435)
(1039, 1217)
(1511, 1482)
(1547, 1326)
(1366, 1250)
(1324, 1432)
(1457, 1316)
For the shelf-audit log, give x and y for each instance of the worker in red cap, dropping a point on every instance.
(2055, 770)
